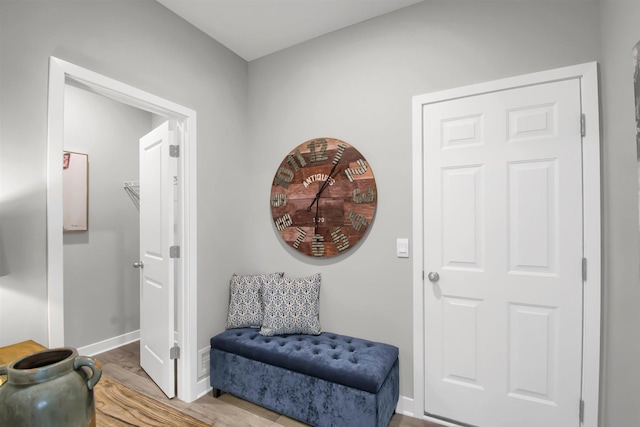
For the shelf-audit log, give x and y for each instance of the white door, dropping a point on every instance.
(503, 230)
(157, 172)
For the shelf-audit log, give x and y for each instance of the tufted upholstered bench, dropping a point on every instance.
(322, 380)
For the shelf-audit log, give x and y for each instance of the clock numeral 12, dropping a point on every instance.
(366, 197)
(357, 221)
(356, 171)
(301, 235)
(283, 222)
(279, 199)
(317, 245)
(283, 177)
(341, 241)
(321, 145)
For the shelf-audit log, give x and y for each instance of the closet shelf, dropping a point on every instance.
(132, 188)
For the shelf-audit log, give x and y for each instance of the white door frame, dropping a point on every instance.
(588, 76)
(60, 72)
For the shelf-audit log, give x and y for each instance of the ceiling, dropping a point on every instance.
(255, 28)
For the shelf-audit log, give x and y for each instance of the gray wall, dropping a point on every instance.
(99, 281)
(357, 84)
(621, 352)
(143, 44)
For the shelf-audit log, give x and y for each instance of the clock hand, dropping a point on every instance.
(324, 185)
(317, 218)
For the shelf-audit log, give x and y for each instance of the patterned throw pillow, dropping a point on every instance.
(245, 300)
(291, 306)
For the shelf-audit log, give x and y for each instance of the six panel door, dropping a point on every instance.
(503, 229)
(157, 328)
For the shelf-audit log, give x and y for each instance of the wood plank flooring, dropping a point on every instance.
(120, 406)
(123, 364)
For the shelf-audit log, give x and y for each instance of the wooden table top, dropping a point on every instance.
(15, 351)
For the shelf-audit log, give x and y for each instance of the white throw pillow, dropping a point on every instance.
(291, 306)
(245, 300)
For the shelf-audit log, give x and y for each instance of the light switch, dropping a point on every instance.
(402, 248)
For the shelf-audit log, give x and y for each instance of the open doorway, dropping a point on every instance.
(61, 73)
(97, 260)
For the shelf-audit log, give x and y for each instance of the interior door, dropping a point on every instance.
(157, 172)
(503, 253)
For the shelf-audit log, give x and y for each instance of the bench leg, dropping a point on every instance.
(216, 392)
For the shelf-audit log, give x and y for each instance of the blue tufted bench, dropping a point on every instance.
(322, 380)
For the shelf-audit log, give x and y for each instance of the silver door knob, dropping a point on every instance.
(138, 264)
(433, 276)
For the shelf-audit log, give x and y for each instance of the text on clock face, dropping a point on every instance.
(322, 177)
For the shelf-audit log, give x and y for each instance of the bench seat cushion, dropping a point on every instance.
(341, 359)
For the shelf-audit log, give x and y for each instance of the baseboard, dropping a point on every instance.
(203, 386)
(405, 407)
(440, 422)
(109, 344)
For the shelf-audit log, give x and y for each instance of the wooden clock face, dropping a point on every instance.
(323, 197)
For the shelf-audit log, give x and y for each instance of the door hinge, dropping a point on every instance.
(174, 150)
(584, 269)
(174, 252)
(174, 352)
(583, 125)
(581, 414)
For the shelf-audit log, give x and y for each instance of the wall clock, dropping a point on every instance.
(323, 197)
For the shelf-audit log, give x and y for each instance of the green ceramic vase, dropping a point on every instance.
(49, 388)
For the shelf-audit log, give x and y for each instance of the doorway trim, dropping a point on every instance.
(592, 286)
(61, 72)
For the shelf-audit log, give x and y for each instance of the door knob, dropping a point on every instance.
(433, 276)
(138, 264)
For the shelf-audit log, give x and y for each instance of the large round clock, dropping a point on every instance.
(323, 197)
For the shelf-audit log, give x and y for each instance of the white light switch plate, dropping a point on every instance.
(402, 248)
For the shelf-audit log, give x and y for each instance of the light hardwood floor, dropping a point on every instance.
(123, 365)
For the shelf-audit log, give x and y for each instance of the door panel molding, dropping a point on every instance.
(587, 75)
(60, 72)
